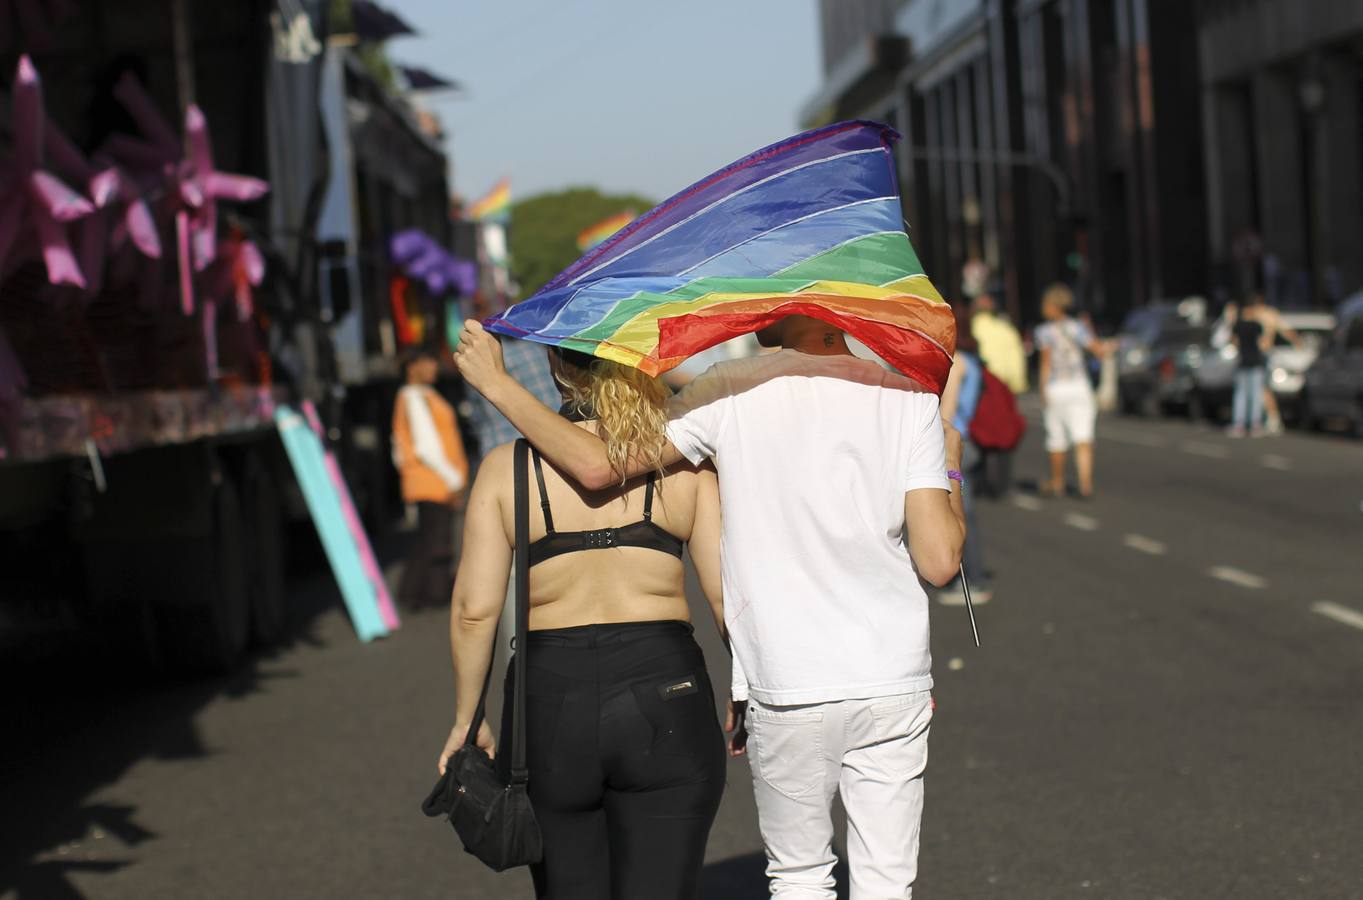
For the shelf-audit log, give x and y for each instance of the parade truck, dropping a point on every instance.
(193, 233)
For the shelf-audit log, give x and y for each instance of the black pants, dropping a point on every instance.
(428, 577)
(626, 760)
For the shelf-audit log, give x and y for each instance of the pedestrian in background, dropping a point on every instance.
(960, 399)
(1001, 351)
(1271, 319)
(430, 458)
(1252, 341)
(1070, 408)
(999, 342)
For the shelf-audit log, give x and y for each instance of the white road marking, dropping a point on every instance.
(1211, 451)
(1238, 577)
(1274, 461)
(1137, 440)
(1145, 545)
(1339, 613)
(1082, 522)
(1031, 504)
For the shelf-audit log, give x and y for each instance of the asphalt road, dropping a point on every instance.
(1168, 704)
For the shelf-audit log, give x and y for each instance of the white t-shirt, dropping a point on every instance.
(1066, 339)
(815, 454)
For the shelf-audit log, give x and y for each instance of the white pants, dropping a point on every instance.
(871, 751)
(1070, 414)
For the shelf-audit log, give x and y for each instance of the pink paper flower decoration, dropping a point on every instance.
(33, 198)
(193, 184)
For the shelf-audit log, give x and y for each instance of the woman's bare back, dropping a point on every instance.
(614, 584)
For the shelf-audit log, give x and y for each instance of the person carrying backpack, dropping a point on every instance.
(960, 406)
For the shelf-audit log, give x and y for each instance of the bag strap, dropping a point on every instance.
(519, 774)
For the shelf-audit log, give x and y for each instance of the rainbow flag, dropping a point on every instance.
(808, 226)
(595, 234)
(495, 205)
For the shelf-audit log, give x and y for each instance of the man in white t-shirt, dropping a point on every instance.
(836, 498)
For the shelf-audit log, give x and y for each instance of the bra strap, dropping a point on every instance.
(544, 495)
(648, 497)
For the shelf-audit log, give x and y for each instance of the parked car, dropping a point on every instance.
(1287, 365)
(1166, 382)
(1333, 389)
(1143, 342)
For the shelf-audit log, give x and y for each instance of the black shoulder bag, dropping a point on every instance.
(492, 817)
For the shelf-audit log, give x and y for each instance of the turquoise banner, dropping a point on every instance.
(308, 458)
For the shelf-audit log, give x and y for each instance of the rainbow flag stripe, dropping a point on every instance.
(591, 236)
(808, 226)
(495, 204)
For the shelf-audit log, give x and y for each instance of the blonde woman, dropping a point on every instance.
(1070, 410)
(626, 757)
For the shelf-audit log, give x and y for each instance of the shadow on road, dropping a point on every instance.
(78, 717)
(745, 878)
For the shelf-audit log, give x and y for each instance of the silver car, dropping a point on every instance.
(1333, 392)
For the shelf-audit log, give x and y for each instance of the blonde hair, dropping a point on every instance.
(1059, 296)
(630, 408)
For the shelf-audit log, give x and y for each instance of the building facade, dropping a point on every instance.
(1052, 139)
(1282, 100)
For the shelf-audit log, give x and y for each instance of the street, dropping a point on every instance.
(1168, 703)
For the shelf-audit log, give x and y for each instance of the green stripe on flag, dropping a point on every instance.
(873, 259)
(628, 309)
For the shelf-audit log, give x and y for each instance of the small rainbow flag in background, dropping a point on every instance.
(591, 236)
(809, 226)
(493, 206)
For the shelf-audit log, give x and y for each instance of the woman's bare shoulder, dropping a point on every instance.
(495, 469)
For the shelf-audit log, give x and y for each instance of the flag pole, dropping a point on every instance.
(969, 607)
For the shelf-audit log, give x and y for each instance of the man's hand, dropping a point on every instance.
(460, 730)
(479, 356)
(736, 726)
(953, 443)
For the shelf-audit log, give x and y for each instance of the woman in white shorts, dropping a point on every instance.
(1066, 392)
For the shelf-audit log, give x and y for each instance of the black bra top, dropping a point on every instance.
(645, 533)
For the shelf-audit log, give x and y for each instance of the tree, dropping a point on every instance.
(544, 230)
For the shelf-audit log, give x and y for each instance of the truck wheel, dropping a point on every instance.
(264, 553)
(116, 603)
(203, 617)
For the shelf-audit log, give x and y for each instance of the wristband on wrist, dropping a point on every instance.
(955, 476)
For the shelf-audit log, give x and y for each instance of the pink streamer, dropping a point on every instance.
(210, 333)
(182, 258)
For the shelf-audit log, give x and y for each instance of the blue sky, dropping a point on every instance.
(626, 95)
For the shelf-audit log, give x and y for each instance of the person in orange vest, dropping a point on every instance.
(429, 455)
